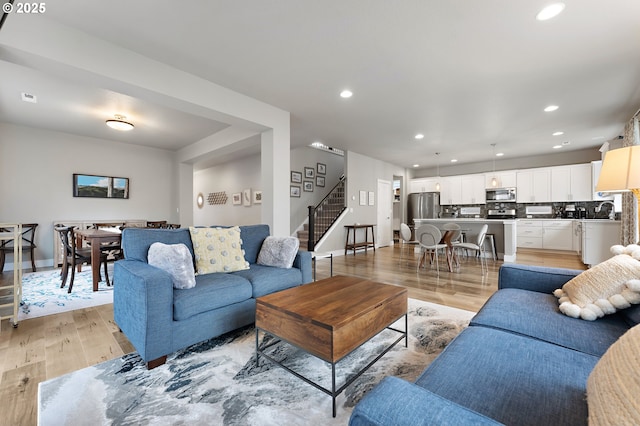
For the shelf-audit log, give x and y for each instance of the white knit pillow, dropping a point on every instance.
(605, 288)
(614, 384)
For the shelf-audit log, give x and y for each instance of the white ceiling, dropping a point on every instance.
(465, 73)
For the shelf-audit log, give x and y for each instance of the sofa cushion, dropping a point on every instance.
(218, 249)
(614, 384)
(278, 251)
(212, 291)
(512, 379)
(252, 238)
(136, 241)
(267, 279)
(611, 285)
(537, 315)
(176, 260)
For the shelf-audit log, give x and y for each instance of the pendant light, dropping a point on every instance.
(494, 179)
(438, 172)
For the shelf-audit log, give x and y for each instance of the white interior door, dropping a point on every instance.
(384, 236)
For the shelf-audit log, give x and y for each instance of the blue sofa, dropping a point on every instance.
(158, 319)
(520, 362)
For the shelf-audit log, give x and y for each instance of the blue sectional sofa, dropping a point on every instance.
(158, 319)
(520, 362)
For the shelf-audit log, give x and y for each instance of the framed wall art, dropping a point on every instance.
(322, 169)
(257, 197)
(100, 186)
(246, 197)
(363, 198)
(296, 177)
(320, 181)
(294, 191)
(308, 186)
(237, 198)
(309, 173)
(372, 199)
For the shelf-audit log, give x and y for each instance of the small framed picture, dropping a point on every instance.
(363, 198)
(246, 197)
(296, 177)
(237, 198)
(309, 173)
(308, 186)
(257, 197)
(294, 191)
(322, 169)
(372, 199)
(320, 181)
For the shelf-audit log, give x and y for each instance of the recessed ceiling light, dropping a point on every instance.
(454, 160)
(317, 144)
(565, 143)
(557, 146)
(346, 94)
(28, 97)
(118, 123)
(419, 136)
(551, 108)
(499, 154)
(550, 11)
(557, 133)
(416, 165)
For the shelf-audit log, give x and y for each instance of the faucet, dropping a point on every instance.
(612, 212)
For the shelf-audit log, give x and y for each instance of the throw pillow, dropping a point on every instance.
(614, 384)
(278, 251)
(176, 260)
(218, 250)
(605, 288)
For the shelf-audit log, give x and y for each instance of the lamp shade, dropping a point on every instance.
(620, 170)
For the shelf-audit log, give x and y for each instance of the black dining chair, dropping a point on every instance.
(28, 244)
(74, 256)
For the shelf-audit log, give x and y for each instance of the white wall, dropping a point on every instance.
(36, 181)
(231, 178)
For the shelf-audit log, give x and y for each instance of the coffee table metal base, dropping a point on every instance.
(333, 392)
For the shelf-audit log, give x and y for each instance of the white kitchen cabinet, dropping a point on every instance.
(533, 185)
(505, 179)
(571, 183)
(423, 184)
(597, 238)
(451, 190)
(577, 236)
(557, 234)
(529, 234)
(472, 189)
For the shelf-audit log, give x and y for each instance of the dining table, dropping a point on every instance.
(96, 237)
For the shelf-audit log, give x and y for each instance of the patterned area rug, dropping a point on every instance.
(42, 295)
(218, 383)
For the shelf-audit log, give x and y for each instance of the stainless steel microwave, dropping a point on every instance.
(501, 194)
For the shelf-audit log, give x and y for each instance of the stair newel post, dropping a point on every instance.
(312, 236)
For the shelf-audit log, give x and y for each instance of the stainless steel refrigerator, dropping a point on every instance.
(422, 205)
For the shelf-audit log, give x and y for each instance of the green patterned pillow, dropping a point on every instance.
(218, 250)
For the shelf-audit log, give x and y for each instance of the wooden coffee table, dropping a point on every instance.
(330, 319)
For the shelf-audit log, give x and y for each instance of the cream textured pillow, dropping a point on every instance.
(605, 288)
(614, 384)
(218, 249)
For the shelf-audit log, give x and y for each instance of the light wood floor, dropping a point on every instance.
(43, 348)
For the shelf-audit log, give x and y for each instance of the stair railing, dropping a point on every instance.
(322, 216)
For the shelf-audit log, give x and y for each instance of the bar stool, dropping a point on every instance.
(491, 238)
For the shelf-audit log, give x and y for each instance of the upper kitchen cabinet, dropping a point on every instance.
(451, 190)
(504, 179)
(423, 185)
(472, 189)
(533, 185)
(571, 183)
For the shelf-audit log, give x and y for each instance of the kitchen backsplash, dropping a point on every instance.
(521, 210)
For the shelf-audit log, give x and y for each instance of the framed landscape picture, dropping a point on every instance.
(296, 177)
(100, 186)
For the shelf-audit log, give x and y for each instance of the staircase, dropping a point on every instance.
(322, 216)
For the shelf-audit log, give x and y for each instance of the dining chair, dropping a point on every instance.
(478, 247)
(74, 255)
(429, 237)
(156, 223)
(451, 239)
(28, 244)
(112, 249)
(405, 235)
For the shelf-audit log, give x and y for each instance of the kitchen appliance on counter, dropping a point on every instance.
(501, 194)
(501, 211)
(582, 213)
(422, 205)
(570, 212)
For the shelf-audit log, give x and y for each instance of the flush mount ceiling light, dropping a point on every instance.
(454, 160)
(416, 165)
(438, 172)
(500, 154)
(494, 179)
(346, 94)
(557, 134)
(557, 146)
(550, 11)
(419, 136)
(118, 123)
(551, 108)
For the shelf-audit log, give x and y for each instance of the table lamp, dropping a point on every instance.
(621, 172)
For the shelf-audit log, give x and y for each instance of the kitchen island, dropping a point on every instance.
(504, 231)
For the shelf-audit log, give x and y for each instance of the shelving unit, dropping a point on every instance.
(11, 295)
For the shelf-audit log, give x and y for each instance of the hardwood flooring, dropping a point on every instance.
(46, 347)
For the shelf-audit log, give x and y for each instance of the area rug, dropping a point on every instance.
(42, 295)
(217, 382)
